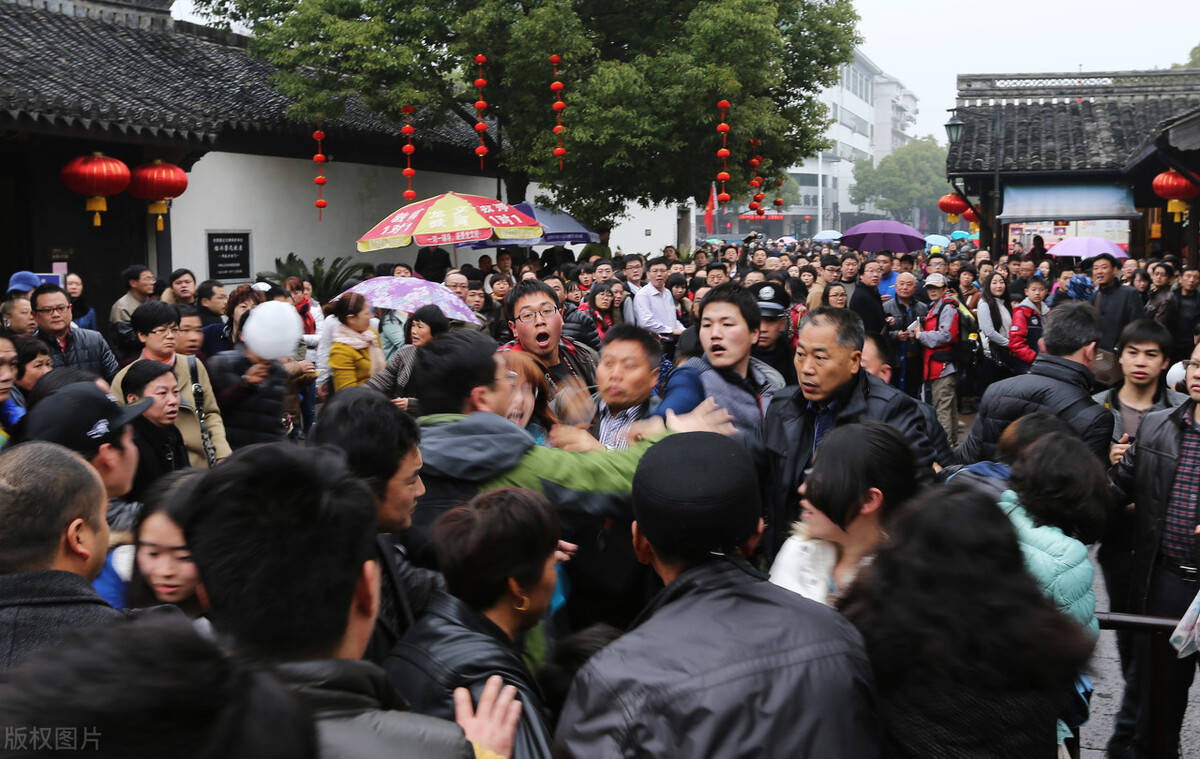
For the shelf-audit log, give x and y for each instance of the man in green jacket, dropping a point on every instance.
(469, 446)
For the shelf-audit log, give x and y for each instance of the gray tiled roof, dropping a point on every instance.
(1058, 122)
(184, 83)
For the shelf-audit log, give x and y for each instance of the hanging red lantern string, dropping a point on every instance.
(480, 105)
(320, 180)
(778, 194)
(757, 181)
(723, 152)
(409, 172)
(557, 87)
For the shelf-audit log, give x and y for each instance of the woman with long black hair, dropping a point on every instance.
(970, 658)
(995, 320)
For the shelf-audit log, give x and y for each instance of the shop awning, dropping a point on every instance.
(1067, 203)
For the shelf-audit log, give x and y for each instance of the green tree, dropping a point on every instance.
(642, 80)
(913, 176)
(328, 282)
(1193, 61)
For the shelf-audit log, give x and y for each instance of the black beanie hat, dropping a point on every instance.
(696, 493)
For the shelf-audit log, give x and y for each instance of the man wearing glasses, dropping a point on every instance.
(69, 345)
(536, 323)
(199, 419)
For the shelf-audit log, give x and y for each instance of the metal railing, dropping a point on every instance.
(1160, 661)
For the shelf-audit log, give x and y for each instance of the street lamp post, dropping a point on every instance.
(954, 132)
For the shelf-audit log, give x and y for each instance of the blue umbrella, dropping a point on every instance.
(959, 234)
(931, 240)
(557, 228)
(827, 235)
(883, 234)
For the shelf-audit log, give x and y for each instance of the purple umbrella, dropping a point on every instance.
(1086, 247)
(407, 294)
(882, 234)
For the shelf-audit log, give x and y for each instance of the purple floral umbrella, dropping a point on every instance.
(407, 294)
(883, 234)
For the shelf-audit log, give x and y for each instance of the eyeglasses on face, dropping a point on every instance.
(165, 331)
(54, 309)
(528, 317)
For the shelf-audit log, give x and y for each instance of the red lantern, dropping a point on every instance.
(320, 203)
(722, 127)
(952, 206)
(410, 195)
(481, 151)
(1177, 189)
(970, 215)
(754, 205)
(723, 197)
(722, 152)
(778, 201)
(480, 127)
(760, 196)
(157, 182)
(319, 181)
(95, 176)
(722, 176)
(560, 152)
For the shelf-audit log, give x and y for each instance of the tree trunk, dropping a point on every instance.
(515, 186)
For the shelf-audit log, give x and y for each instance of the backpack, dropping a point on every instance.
(965, 348)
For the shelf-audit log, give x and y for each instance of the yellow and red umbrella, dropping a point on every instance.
(450, 218)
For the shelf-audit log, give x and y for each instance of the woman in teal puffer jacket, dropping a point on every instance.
(1057, 504)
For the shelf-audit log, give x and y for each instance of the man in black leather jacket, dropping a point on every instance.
(1058, 383)
(380, 442)
(1158, 474)
(722, 662)
(284, 538)
(834, 390)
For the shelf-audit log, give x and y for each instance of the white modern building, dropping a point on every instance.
(871, 112)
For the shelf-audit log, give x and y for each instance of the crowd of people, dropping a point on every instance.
(719, 504)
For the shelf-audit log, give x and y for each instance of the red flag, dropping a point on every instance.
(709, 207)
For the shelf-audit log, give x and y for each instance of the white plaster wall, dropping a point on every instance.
(273, 198)
(630, 236)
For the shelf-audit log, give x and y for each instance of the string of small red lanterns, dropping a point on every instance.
(557, 87)
(723, 152)
(757, 181)
(409, 172)
(480, 105)
(779, 195)
(319, 180)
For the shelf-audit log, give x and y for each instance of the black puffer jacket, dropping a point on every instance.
(580, 326)
(1053, 385)
(782, 445)
(252, 413)
(454, 646)
(1145, 476)
(85, 349)
(160, 451)
(725, 664)
(359, 714)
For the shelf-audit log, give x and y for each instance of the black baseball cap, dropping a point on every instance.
(81, 417)
(772, 298)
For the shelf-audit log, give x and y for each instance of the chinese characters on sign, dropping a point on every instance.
(229, 255)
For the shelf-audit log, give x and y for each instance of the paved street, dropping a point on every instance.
(1106, 672)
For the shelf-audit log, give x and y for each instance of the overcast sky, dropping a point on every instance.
(927, 43)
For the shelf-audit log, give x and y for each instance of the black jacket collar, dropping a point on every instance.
(719, 572)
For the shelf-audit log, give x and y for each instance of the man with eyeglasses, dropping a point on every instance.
(536, 323)
(69, 345)
(199, 419)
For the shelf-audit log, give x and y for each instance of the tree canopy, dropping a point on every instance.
(913, 176)
(642, 79)
(1193, 61)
